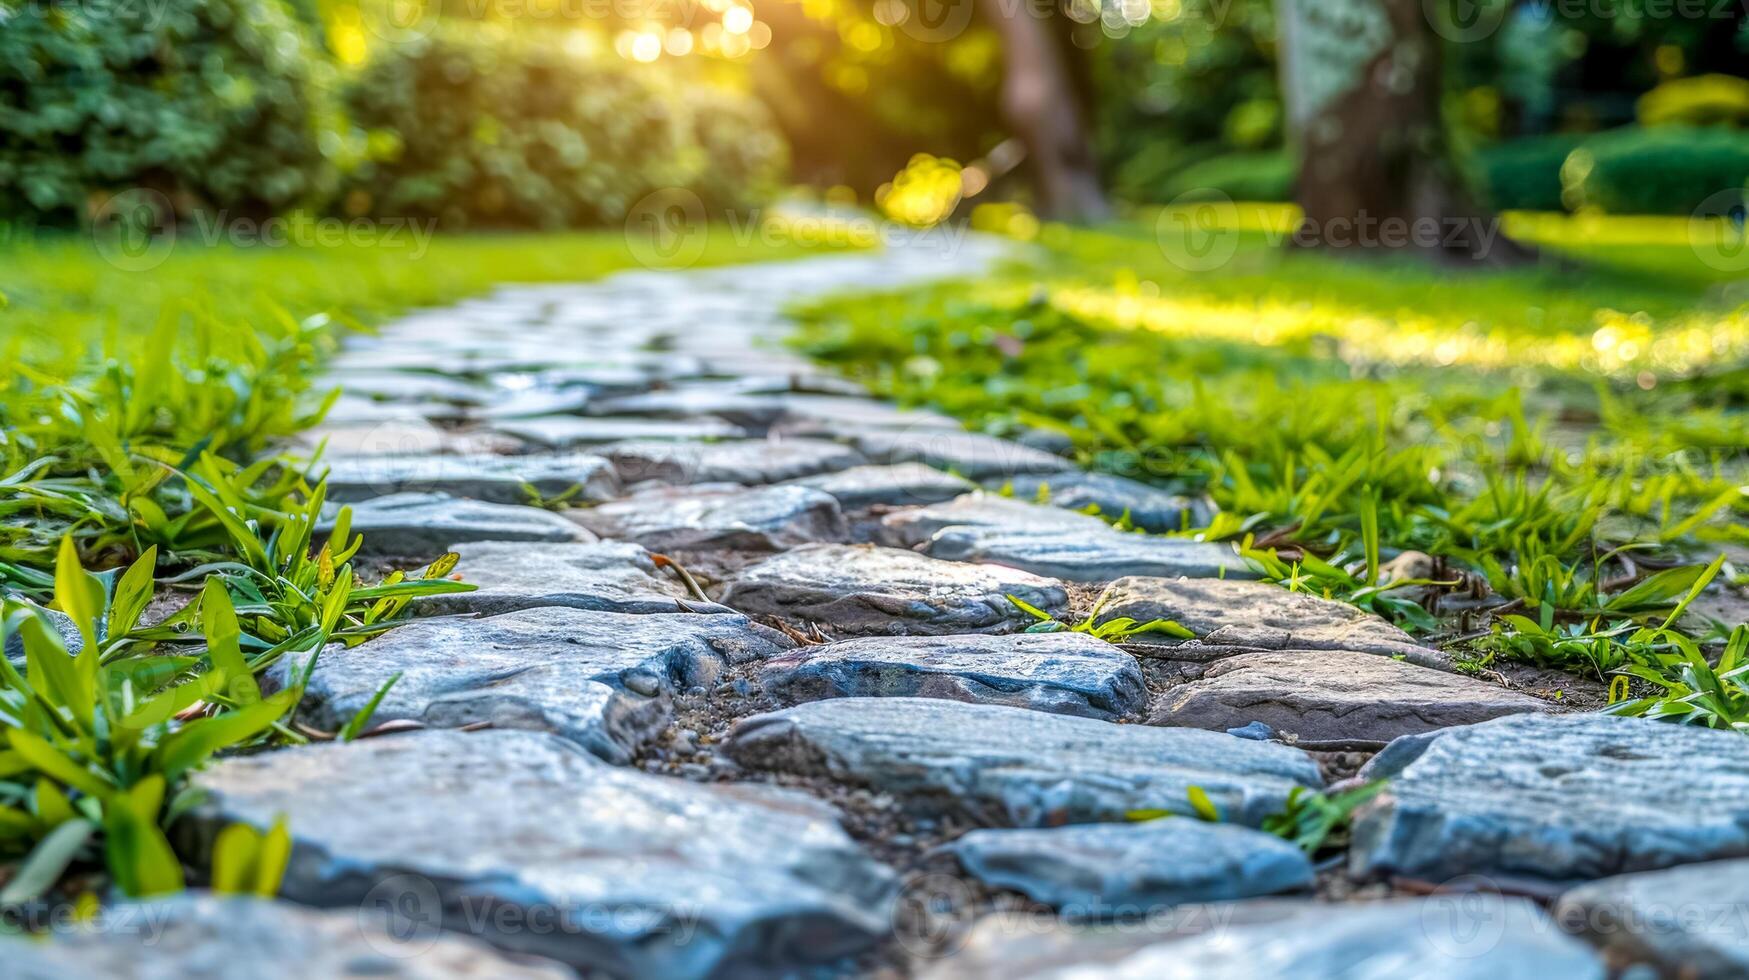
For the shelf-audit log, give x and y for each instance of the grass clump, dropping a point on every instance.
(1562, 445)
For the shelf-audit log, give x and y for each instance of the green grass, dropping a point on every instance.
(122, 378)
(138, 421)
(1555, 436)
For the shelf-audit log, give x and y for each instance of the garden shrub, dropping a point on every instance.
(1524, 174)
(1666, 170)
(1706, 100)
(1265, 176)
(211, 103)
(478, 126)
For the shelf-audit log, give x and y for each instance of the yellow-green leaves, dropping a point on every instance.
(223, 643)
(248, 862)
(135, 848)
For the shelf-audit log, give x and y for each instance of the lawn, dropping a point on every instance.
(125, 371)
(1563, 442)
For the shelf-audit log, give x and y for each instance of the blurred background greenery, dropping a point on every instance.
(564, 113)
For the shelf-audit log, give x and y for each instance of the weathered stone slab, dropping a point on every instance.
(1126, 870)
(495, 479)
(750, 462)
(599, 679)
(424, 524)
(1690, 922)
(1452, 937)
(1066, 673)
(210, 937)
(1335, 695)
(863, 590)
(410, 435)
(534, 846)
(918, 526)
(1230, 616)
(59, 621)
(760, 519)
(1019, 768)
(1052, 541)
(898, 485)
(576, 432)
(972, 455)
(604, 576)
(723, 400)
(1148, 507)
(829, 415)
(406, 386)
(1558, 797)
(1078, 557)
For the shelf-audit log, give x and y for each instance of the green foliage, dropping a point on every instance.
(98, 745)
(1338, 414)
(1112, 631)
(1312, 820)
(1524, 174)
(1667, 170)
(1260, 176)
(1686, 687)
(207, 103)
(487, 126)
(1705, 100)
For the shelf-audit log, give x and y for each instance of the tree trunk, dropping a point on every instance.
(1039, 101)
(1362, 83)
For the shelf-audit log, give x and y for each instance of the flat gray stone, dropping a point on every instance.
(534, 846)
(897, 485)
(827, 415)
(864, 590)
(575, 432)
(425, 524)
(60, 621)
(1018, 768)
(603, 576)
(1148, 507)
(495, 479)
(1557, 797)
(1690, 922)
(1077, 557)
(600, 679)
(1126, 870)
(1450, 937)
(1066, 673)
(726, 401)
(1335, 695)
(1230, 616)
(760, 519)
(406, 386)
(749, 462)
(409, 435)
(983, 527)
(918, 526)
(211, 937)
(972, 455)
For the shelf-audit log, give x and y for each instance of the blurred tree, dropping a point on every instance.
(1039, 99)
(1362, 81)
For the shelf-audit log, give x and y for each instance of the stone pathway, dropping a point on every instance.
(829, 747)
